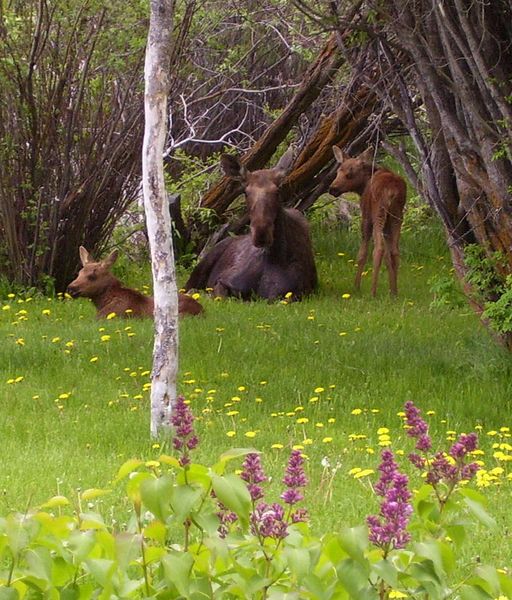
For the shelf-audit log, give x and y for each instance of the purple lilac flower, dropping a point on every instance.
(252, 474)
(184, 439)
(268, 521)
(388, 529)
(294, 479)
(417, 427)
(226, 517)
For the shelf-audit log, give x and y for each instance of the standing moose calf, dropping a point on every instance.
(382, 206)
(95, 281)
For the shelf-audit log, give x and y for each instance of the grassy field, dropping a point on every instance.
(330, 374)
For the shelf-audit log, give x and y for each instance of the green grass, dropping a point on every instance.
(254, 368)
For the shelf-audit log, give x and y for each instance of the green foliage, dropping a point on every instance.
(171, 546)
(446, 291)
(491, 287)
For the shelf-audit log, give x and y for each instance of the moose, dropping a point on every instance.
(95, 281)
(276, 257)
(382, 199)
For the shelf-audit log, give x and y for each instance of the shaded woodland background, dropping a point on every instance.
(428, 82)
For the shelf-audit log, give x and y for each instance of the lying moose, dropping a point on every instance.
(276, 257)
(95, 281)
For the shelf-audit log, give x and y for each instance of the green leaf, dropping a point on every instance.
(457, 533)
(128, 467)
(233, 493)
(354, 578)
(229, 455)
(177, 569)
(386, 571)
(55, 502)
(355, 542)
(183, 500)
(91, 520)
(480, 513)
(93, 493)
(468, 592)
(156, 495)
(81, 544)
(102, 570)
(299, 561)
(170, 460)
(8, 593)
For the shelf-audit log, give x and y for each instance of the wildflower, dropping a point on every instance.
(417, 427)
(267, 521)
(294, 479)
(253, 474)
(345, 296)
(388, 529)
(184, 437)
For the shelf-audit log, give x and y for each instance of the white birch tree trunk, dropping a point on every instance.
(165, 350)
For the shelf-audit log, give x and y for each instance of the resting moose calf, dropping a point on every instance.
(276, 257)
(95, 281)
(382, 206)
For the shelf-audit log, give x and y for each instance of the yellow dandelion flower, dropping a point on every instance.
(302, 420)
(327, 440)
(314, 399)
(356, 411)
(342, 333)
(331, 420)
(319, 425)
(363, 473)
(111, 315)
(196, 296)
(382, 430)
(155, 446)
(307, 442)
(277, 446)
(152, 464)
(232, 413)
(55, 340)
(231, 433)
(319, 390)
(345, 296)
(93, 359)
(105, 338)
(250, 434)
(288, 295)
(64, 396)
(20, 342)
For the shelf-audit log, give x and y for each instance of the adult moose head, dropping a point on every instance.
(276, 257)
(95, 281)
(382, 206)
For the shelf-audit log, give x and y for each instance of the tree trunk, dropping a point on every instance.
(165, 350)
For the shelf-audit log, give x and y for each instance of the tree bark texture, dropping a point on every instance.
(165, 350)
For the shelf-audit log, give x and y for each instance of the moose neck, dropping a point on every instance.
(278, 251)
(101, 297)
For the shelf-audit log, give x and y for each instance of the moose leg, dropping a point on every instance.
(362, 255)
(378, 254)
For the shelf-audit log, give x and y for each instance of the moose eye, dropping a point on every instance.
(92, 277)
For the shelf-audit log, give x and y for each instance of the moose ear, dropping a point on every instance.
(367, 155)
(338, 154)
(285, 162)
(85, 257)
(232, 167)
(111, 259)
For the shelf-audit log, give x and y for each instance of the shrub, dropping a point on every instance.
(204, 532)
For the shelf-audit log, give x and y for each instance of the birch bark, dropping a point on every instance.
(165, 349)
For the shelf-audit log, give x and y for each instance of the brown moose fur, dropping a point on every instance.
(382, 202)
(95, 281)
(275, 258)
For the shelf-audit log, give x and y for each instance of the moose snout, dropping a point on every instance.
(334, 191)
(73, 290)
